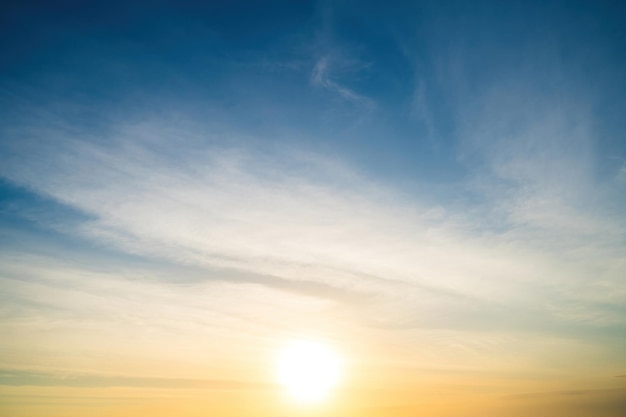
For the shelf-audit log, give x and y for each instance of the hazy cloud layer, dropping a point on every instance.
(305, 218)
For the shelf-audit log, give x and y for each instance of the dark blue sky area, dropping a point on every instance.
(416, 72)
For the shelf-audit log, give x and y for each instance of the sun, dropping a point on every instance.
(309, 370)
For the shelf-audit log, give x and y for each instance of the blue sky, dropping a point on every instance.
(449, 176)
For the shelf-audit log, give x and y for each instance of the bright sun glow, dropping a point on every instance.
(308, 369)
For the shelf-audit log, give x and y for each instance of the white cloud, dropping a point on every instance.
(301, 219)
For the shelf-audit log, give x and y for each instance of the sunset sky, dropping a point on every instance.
(433, 191)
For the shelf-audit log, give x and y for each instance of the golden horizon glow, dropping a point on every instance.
(308, 370)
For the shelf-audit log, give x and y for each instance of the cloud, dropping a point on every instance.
(583, 402)
(321, 76)
(335, 62)
(13, 377)
(310, 224)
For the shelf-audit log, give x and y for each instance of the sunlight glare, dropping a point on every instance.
(308, 370)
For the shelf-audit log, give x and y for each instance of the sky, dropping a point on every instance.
(434, 189)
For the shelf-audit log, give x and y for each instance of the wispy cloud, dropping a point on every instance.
(322, 76)
(600, 402)
(15, 377)
(298, 217)
(334, 64)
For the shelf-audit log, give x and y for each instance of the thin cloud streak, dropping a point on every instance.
(321, 77)
(16, 377)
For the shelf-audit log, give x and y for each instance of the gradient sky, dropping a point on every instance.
(437, 189)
